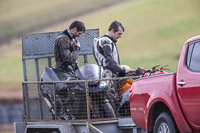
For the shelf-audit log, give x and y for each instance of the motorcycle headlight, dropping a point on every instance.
(103, 84)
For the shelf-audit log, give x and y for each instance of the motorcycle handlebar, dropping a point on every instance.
(150, 71)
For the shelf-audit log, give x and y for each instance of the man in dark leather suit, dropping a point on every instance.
(67, 49)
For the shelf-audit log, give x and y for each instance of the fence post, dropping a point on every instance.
(55, 103)
(88, 106)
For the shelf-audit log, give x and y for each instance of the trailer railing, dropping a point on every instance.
(77, 100)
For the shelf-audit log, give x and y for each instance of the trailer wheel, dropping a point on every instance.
(164, 124)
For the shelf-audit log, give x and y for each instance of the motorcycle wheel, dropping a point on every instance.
(109, 112)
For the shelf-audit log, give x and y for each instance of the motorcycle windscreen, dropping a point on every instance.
(89, 72)
(92, 72)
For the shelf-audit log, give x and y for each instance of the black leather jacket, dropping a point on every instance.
(66, 53)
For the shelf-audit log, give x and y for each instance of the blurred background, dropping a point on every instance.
(155, 32)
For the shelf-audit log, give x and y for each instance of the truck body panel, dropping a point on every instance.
(189, 73)
(175, 93)
(147, 97)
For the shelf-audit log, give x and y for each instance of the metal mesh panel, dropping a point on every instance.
(36, 107)
(38, 52)
(45, 43)
(42, 41)
(32, 102)
(53, 62)
(47, 101)
(71, 102)
(122, 88)
(30, 70)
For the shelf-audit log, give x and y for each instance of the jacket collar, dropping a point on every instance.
(68, 33)
(114, 41)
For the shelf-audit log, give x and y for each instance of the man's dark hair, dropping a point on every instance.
(79, 25)
(115, 26)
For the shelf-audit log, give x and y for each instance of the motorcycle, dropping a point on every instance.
(124, 90)
(69, 101)
(125, 85)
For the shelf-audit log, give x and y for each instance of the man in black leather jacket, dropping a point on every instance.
(105, 50)
(67, 48)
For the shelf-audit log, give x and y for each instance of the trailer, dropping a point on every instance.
(38, 53)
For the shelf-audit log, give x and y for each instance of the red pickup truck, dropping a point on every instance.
(170, 103)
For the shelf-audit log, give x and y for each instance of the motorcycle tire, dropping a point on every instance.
(109, 112)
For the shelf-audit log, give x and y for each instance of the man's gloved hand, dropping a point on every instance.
(140, 70)
(128, 70)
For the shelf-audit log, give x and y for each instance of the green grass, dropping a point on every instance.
(11, 68)
(21, 16)
(155, 33)
(155, 30)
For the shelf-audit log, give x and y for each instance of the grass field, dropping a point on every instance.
(155, 30)
(155, 33)
(21, 16)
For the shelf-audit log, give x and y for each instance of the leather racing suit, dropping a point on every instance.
(106, 55)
